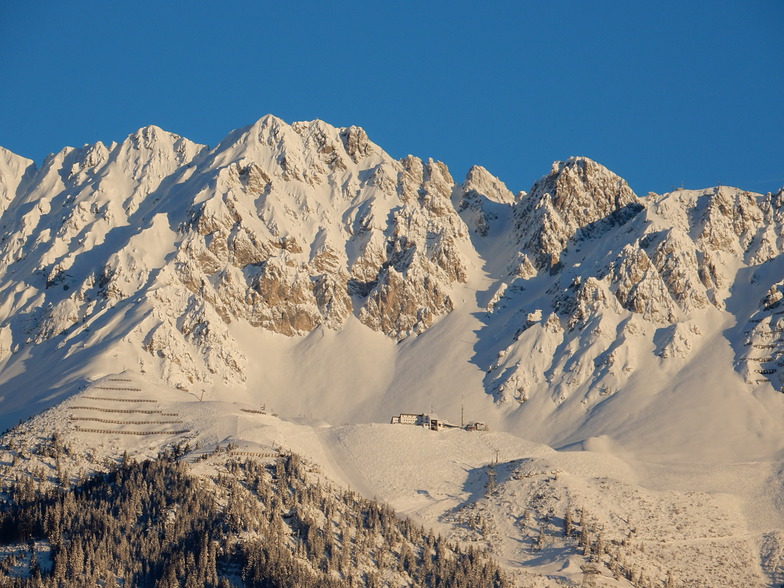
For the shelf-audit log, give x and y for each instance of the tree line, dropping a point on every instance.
(253, 524)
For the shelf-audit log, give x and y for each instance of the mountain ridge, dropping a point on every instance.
(219, 270)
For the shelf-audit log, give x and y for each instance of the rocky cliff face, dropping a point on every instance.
(294, 228)
(629, 274)
(287, 227)
(578, 199)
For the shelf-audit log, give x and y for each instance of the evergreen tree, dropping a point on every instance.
(568, 523)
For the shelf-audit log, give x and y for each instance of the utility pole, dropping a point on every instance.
(462, 413)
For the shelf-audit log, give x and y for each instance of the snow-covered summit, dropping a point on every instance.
(577, 195)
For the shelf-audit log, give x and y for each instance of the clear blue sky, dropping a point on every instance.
(663, 93)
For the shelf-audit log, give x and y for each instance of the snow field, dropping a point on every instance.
(699, 523)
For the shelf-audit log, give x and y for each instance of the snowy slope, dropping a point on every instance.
(700, 524)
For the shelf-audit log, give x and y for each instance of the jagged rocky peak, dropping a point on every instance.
(13, 170)
(732, 221)
(144, 158)
(306, 151)
(480, 199)
(582, 187)
(578, 195)
(150, 137)
(9, 159)
(149, 145)
(12, 165)
(288, 229)
(480, 181)
(356, 142)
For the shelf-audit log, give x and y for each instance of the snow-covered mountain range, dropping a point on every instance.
(301, 267)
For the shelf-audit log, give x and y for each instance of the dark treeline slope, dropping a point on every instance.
(155, 524)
